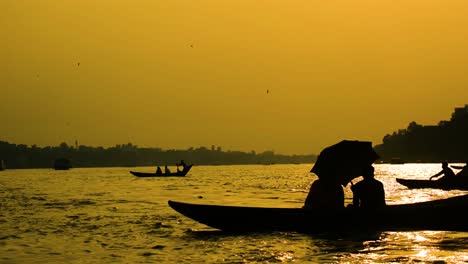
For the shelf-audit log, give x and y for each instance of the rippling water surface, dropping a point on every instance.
(107, 215)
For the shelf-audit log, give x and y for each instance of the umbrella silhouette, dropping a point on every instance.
(344, 161)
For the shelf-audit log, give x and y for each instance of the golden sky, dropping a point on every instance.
(176, 74)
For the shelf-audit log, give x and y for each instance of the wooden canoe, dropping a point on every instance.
(447, 214)
(172, 174)
(456, 184)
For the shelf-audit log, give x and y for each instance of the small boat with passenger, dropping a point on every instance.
(179, 173)
(455, 184)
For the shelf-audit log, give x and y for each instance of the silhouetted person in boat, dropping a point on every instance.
(166, 170)
(464, 170)
(446, 171)
(182, 163)
(368, 193)
(325, 194)
(158, 170)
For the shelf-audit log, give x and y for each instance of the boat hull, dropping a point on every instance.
(173, 174)
(457, 184)
(436, 215)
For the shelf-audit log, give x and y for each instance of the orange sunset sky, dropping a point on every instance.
(289, 76)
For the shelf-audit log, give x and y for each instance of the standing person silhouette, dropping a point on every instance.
(368, 193)
(446, 171)
(182, 163)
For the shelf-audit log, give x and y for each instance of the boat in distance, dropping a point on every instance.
(62, 164)
(438, 215)
(181, 173)
(455, 184)
(397, 161)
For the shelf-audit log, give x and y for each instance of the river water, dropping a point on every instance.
(107, 215)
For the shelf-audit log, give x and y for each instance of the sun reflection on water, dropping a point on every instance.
(422, 253)
(106, 215)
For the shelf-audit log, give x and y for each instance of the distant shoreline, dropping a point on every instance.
(129, 155)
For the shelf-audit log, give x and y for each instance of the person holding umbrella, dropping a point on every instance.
(335, 167)
(368, 193)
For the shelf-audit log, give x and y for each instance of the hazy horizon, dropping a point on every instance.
(291, 77)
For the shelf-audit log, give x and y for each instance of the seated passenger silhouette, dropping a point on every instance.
(369, 193)
(325, 194)
(166, 170)
(446, 171)
(158, 170)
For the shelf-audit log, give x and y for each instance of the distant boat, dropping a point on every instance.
(397, 161)
(162, 174)
(62, 164)
(459, 183)
(2, 165)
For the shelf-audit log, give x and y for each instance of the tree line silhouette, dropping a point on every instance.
(129, 155)
(417, 143)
